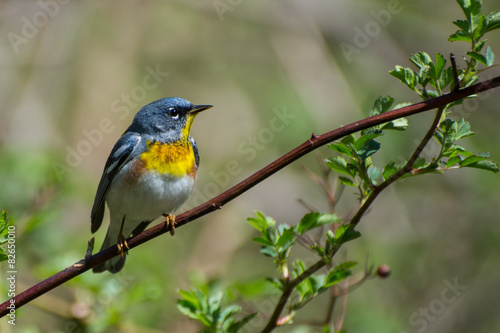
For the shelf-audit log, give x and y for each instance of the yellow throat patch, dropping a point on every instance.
(176, 159)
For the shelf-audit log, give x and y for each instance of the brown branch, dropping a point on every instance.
(216, 203)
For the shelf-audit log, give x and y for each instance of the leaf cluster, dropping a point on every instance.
(209, 310)
(276, 241)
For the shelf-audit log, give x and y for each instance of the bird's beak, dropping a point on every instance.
(198, 108)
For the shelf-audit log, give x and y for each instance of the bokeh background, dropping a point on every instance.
(75, 72)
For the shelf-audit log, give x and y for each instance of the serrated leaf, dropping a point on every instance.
(382, 104)
(460, 36)
(405, 75)
(462, 24)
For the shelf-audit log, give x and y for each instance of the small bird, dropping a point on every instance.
(150, 172)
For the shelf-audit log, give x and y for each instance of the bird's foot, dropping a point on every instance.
(170, 221)
(122, 245)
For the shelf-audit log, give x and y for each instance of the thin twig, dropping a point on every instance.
(456, 81)
(216, 203)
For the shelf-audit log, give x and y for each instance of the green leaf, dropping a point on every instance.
(382, 104)
(400, 124)
(405, 75)
(462, 24)
(307, 222)
(365, 138)
(4, 227)
(446, 78)
(261, 222)
(480, 27)
(315, 220)
(374, 173)
(463, 129)
(370, 148)
(269, 251)
(318, 249)
(389, 169)
(339, 273)
(239, 324)
(344, 234)
(346, 181)
(475, 158)
(339, 164)
(453, 160)
(285, 240)
(421, 59)
(263, 241)
(419, 163)
(341, 148)
(492, 21)
(460, 36)
(477, 56)
(489, 56)
(439, 66)
(485, 165)
(473, 13)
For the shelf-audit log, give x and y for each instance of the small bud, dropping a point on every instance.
(383, 271)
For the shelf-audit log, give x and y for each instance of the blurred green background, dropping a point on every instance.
(75, 72)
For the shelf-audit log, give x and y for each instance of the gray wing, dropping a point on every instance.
(124, 150)
(195, 150)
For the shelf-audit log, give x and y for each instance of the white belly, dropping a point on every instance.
(148, 197)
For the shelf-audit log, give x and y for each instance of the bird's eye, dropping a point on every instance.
(172, 112)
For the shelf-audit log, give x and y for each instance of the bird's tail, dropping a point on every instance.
(115, 264)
